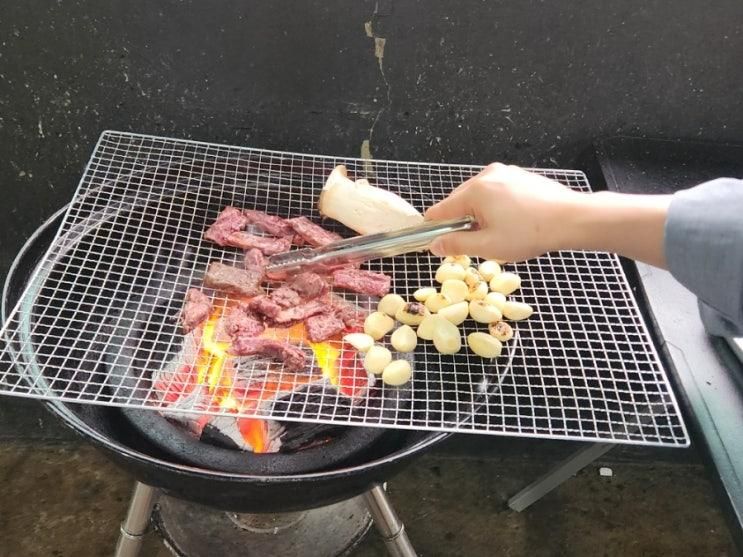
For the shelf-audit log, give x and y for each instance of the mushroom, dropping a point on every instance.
(363, 207)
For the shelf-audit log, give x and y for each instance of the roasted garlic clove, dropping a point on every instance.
(455, 313)
(472, 276)
(516, 311)
(463, 261)
(425, 329)
(411, 313)
(397, 373)
(376, 359)
(446, 337)
(422, 294)
(505, 283)
(390, 303)
(378, 324)
(455, 290)
(404, 339)
(501, 330)
(496, 299)
(478, 291)
(436, 302)
(449, 271)
(360, 341)
(482, 312)
(489, 269)
(484, 345)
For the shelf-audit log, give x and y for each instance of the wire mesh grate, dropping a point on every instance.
(97, 323)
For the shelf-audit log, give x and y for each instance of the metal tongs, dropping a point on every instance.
(364, 248)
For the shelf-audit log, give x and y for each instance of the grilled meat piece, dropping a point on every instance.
(285, 296)
(308, 285)
(265, 306)
(313, 234)
(352, 315)
(323, 326)
(363, 282)
(229, 221)
(301, 312)
(293, 358)
(255, 260)
(241, 321)
(242, 282)
(276, 226)
(266, 244)
(196, 309)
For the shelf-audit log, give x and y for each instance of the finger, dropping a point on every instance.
(456, 205)
(460, 243)
(461, 188)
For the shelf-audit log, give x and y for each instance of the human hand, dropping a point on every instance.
(520, 215)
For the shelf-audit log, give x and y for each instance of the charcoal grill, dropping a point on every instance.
(269, 492)
(584, 367)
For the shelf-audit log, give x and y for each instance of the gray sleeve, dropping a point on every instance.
(704, 251)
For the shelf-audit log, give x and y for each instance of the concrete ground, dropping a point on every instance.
(63, 499)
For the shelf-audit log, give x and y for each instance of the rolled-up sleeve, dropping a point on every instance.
(704, 251)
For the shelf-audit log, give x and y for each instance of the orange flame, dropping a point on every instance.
(211, 370)
(326, 353)
(335, 364)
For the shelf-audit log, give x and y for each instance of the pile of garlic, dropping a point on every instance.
(479, 293)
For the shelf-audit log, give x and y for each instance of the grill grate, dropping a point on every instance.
(583, 367)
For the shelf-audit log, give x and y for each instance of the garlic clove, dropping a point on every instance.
(390, 303)
(360, 341)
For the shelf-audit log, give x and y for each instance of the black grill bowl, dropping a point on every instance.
(109, 430)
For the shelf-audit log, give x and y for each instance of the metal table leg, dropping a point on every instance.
(557, 475)
(388, 524)
(137, 520)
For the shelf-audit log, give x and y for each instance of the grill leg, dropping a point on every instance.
(388, 524)
(137, 521)
(557, 475)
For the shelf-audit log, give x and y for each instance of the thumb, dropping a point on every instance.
(460, 243)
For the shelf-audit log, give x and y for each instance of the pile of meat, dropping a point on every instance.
(304, 297)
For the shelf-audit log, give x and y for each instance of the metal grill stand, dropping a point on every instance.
(389, 526)
(137, 521)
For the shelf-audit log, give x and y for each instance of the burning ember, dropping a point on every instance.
(205, 376)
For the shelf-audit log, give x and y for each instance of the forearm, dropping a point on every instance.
(630, 225)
